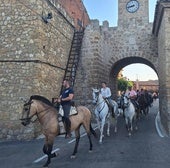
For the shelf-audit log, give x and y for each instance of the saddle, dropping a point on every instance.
(73, 111)
(111, 108)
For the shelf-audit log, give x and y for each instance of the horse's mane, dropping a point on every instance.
(41, 98)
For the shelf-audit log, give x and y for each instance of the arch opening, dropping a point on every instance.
(119, 65)
(127, 61)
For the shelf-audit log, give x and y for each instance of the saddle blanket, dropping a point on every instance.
(73, 111)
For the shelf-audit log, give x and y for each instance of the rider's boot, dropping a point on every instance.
(68, 127)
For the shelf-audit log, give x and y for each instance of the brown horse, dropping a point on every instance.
(47, 115)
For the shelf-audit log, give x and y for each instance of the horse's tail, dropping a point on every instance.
(93, 131)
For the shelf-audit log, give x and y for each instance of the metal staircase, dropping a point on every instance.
(74, 56)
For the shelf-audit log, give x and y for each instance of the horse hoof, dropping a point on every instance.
(46, 165)
(90, 151)
(73, 157)
(100, 142)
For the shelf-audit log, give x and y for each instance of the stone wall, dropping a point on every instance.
(162, 31)
(33, 58)
(106, 50)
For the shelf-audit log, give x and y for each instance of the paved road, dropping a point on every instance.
(144, 149)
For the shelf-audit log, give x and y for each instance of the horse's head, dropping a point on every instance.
(126, 101)
(28, 112)
(95, 94)
(36, 107)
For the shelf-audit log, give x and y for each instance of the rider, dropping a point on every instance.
(132, 95)
(65, 99)
(106, 94)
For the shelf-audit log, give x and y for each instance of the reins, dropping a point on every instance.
(126, 105)
(99, 104)
(37, 114)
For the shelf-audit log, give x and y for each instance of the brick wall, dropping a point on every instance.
(77, 11)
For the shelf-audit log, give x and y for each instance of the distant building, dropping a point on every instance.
(152, 85)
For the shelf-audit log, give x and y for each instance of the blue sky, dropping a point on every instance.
(108, 10)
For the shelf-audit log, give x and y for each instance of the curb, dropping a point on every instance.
(161, 131)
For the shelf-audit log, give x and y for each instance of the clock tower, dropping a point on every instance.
(133, 12)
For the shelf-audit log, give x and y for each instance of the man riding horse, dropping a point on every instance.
(65, 100)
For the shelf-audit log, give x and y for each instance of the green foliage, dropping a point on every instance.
(123, 84)
(130, 83)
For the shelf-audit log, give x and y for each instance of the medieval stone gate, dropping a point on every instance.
(34, 55)
(107, 50)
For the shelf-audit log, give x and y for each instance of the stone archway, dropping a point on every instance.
(117, 66)
(106, 50)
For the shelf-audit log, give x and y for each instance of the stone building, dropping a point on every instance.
(33, 56)
(150, 85)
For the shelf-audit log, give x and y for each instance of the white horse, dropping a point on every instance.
(129, 113)
(102, 113)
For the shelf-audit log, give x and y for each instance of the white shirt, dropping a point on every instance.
(105, 92)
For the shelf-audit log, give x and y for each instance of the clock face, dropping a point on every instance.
(132, 6)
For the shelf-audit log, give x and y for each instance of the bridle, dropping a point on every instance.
(27, 107)
(97, 98)
(126, 105)
(28, 118)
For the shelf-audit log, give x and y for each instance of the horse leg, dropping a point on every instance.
(115, 123)
(93, 131)
(77, 134)
(127, 121)
(116, 116)
(101, 130)
(89, 130)
(47, 149)
(147, 109)
(90, 142)
(108, 127)
(98, 124)
(135, 122)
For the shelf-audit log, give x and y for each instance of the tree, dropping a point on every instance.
(130, 83)
(123, 84)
